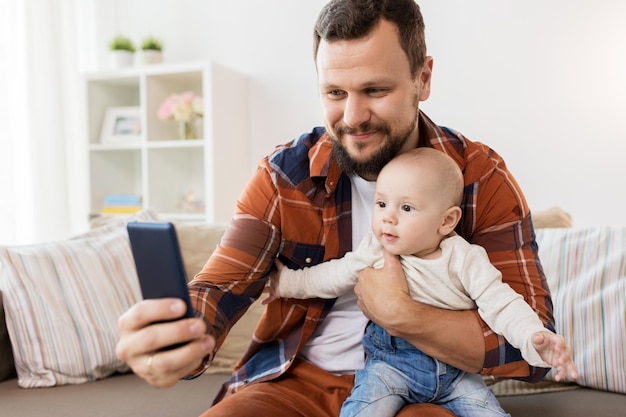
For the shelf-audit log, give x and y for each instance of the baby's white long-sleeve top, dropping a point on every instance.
(461, 278)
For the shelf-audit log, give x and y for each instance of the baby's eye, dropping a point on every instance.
(381, 204)
(406, 207)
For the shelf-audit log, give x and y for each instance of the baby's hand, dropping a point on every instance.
(553, 350)
(272, 283)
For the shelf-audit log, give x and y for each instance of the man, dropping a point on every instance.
(307, 203)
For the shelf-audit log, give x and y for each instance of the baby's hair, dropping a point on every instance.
(443, 170)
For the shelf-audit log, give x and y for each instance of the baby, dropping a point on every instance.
(416, 209)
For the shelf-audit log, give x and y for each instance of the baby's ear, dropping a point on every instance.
(450, 220)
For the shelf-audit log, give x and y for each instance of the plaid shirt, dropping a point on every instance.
(297, 207)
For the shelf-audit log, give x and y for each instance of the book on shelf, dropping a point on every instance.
(120, 209)
(122, 200)
(121, 204)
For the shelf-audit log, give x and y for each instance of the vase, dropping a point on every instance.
(186, 130)
(149, 56)
(120, 58)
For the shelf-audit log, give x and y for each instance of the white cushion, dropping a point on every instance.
(586, 271)
(62, 301)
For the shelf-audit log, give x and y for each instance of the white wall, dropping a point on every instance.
(543, 83)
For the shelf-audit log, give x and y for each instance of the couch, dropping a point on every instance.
(61, 300)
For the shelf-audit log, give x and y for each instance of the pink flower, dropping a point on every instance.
(187, 98)
(181, 107)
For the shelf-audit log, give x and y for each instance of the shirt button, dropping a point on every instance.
(308, 260)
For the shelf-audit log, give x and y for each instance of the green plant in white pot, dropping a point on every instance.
(151, 50)
(121, 52)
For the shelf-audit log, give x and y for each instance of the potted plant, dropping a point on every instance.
(151, 50)
(122, 50)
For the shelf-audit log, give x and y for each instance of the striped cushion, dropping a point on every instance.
(62, 301)
(586, 271)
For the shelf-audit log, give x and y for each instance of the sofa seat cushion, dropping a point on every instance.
(117, 395)
(582, 402)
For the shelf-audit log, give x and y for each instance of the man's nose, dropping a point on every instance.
(356, 111)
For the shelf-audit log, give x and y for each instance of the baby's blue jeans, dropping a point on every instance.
(396, 373)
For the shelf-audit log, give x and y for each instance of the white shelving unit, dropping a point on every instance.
(159, 167)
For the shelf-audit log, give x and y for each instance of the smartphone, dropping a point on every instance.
(159, 262)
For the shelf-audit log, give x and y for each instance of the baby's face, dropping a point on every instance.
(407, 211)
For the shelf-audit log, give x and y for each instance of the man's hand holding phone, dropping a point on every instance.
(149, 327)
(161, 339)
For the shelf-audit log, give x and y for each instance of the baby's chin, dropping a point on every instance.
(393, 249)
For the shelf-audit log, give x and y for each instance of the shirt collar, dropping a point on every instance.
(323, 165)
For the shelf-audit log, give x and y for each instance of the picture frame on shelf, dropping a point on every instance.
(121, 124)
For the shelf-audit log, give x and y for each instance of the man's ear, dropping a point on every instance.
(425, 77)
(450, 220)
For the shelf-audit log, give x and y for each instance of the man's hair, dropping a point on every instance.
(354, 19)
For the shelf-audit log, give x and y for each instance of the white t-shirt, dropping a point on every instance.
(336, 344)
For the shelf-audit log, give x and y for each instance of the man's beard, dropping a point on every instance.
(372, 166)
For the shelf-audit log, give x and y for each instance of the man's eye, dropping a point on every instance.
(376, 92)
(336, 93)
